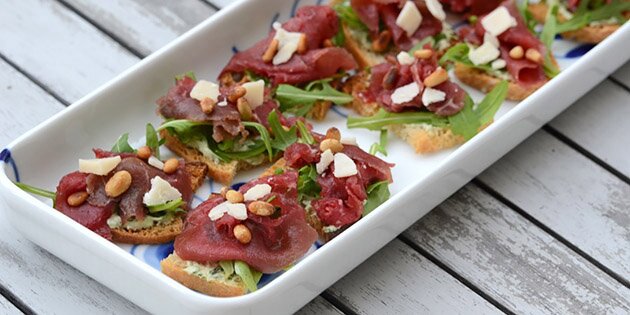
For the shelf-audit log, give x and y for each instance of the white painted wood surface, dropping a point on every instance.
(513, 261)
(398, 280)
(490, 246)
(7, 308)
(602, 128)
(570, 194)
(145, 27)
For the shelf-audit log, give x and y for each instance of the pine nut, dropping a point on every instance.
(438, 77)
(224, 191)
(423, 53)
(271, 51)
(328, 43)
(261, 208)
(302, 44)
(533, 55)
(144, 152)
(118, 184)
(234, 196)
(244, 109)
(333, 133)
(381, 43)
(236, 93)
(242, 234)
(171, 165)
(207, 105)
(516, 52)
(77, 199)
(331, 144)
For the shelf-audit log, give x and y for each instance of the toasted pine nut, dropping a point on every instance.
(423, 53)
(244, 109)
(234, 196)
(333, 133)
(236, 93)
(207, 105)
(261, 208)
(533, 55)
(331, 144)
(170, 166)
(390, 78)
(242, 234)
(436, 78)
(224, 191)
(118, 184)
(77, 199)
(144, 152)
(271, 51)
(328, 43)
(381, 43)
(516, 52)
(302, 44)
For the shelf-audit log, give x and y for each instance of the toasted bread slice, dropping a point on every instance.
(423, 138)
(485, 82)
(155, 235)
(591, 34)
(174, 267)
(221, 172)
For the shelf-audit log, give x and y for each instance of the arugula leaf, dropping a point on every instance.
(300, 101)
(381, 146)
(255, 77)
(183, 128)
(228, 267)
(339, 39)
(377, 193)
(170, 206)
(190, 74)
(601, 11)
(384, 118)
(264, 135)
(488, 107)
(249, 276)
(547, 36)
(307, 183)
(122, 145)
(349, 17)
(528, 18)
(282, 138)
(305, 134)
(37, 191)
(459, 54)
(152, 140)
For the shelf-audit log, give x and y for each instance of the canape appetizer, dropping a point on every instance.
(127, 195)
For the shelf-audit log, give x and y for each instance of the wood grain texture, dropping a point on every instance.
(599, 123)
(220, 3)
(513, 261)
(7, 308)
(571, 195)
(144, 25)
(319, 306)
(398, 280)
(45, 283)
(67, 54)
(623, 75)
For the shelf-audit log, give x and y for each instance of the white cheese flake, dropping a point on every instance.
(99, 166)
(255, 94)
(236, 210)
(498, 64)
(489, 38)
(205, 89)
(484, 54)
(288, 43)
(405, 93)
(349, 141)
(222, 103)
(155, 162)
(256, 192)
(498, 21)
(324, 161)
(161, 192)
(430, 96)
(218, 211)
(436, 9)
(404, 58)
(344, 166)
(409, 18)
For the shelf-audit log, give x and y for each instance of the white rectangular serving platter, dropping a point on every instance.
(126, 104)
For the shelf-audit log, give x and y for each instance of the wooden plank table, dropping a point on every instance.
(545, 230)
